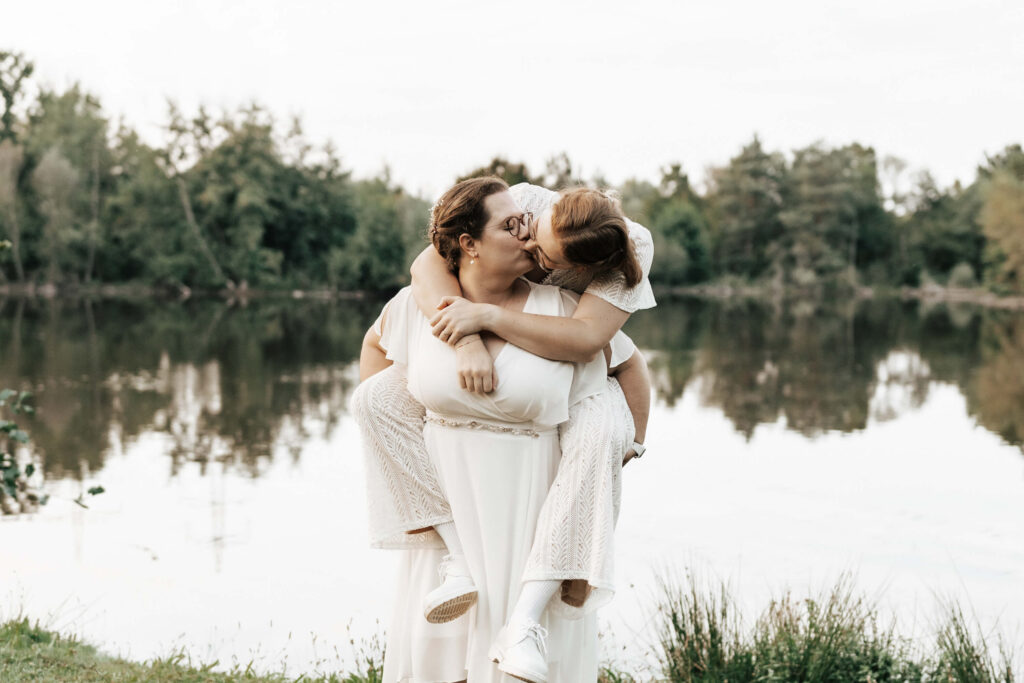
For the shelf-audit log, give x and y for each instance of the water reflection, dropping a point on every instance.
(832, 368)
(996, 397)
(232, 384)
(220, 382)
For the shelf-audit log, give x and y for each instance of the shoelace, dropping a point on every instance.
(446, 567)
(539, 635)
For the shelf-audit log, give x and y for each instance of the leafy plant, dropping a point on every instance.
(16, 494)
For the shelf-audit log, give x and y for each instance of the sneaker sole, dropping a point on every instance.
(451, 609)
(522, 675)
(518, 674)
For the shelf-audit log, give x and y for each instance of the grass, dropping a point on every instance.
(837, 637)
(30, 653)
(834, 638)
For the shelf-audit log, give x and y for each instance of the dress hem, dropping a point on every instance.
(394, 539)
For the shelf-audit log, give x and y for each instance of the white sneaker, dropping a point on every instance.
(520, 650)
(456, 594)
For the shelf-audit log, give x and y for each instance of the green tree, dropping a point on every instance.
(942, 231)
(145, 234)
(639, 198)
(1002, 219)
(315, 210)
(233, 183)
(675, 215)
(56, 183)
(73, 122)
(188, 140)
(511, 173)
(255, 216)
(945, 226)
(834, 193)
(682, 253)
(1000, 208)
(559, 173)
(11, 160)
(747, 197)
(375, 256)
(14, 73)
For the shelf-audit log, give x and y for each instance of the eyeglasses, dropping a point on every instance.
(538, 256)
(514, 224)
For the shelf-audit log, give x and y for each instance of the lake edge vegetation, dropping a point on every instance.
(30, 653)
(836, 637)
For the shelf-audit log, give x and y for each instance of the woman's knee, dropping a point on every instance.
(379, 393)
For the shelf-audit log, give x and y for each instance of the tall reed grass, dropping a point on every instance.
(837, 637)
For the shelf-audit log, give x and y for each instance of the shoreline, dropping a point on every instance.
(929, 294)
(700, 628)
(174, 293)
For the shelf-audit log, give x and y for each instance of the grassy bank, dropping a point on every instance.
(837, 637)
(29, 653)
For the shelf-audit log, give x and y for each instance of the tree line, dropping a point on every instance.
(237, 199)
(227, 200)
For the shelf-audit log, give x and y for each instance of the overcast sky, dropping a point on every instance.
(433, 88)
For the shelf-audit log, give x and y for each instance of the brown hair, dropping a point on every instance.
(461, 210)
(592, 232)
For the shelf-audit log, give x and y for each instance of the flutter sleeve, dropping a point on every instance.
(612, 287)
(622, 349)
(533, 198)
(394, 325)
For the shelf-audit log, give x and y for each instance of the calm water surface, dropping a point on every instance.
(788, 444)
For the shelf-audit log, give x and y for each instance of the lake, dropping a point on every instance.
(789, 443)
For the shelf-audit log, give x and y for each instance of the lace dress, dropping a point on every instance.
(495, 458)
(575, 532)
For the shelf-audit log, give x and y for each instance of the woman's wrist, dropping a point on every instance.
(492, 316)
(469, 339)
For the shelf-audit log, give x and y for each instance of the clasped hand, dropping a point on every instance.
(457, 320)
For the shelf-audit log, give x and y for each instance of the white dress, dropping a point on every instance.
(575, 531)
(496, 455)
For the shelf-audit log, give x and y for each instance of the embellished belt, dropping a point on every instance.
(461, 423)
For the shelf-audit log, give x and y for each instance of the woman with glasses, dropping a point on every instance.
(568, 569)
